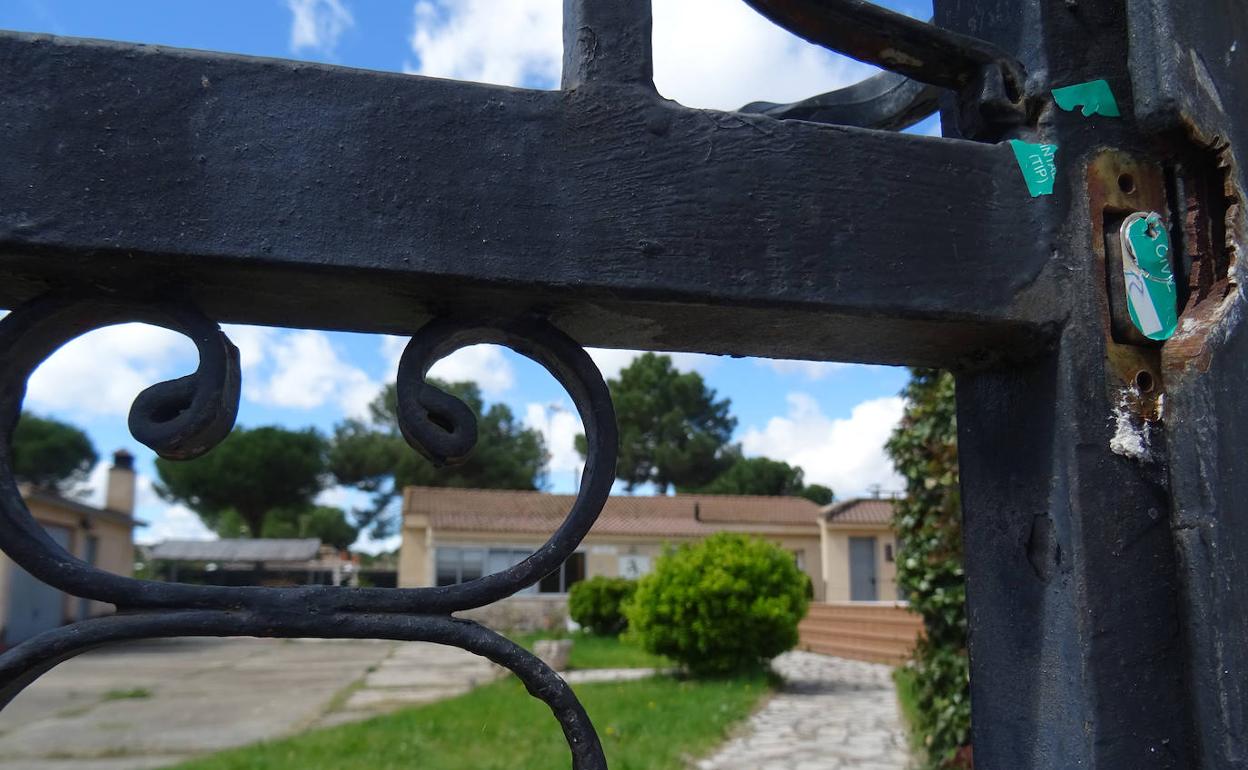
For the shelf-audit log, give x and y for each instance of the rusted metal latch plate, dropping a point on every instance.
(1119, 186)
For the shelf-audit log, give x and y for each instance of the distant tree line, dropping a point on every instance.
(50, 454)
(264, 482)
(675, 434)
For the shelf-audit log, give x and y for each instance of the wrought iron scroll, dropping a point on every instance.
(184, 418)
(885, 102)
(990, 84)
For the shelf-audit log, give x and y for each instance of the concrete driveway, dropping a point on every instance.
(152, 704)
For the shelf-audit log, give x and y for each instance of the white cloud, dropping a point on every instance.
(172, 522)
(485, 365)
(391, 351)
(610, 360)
(163, 521)
(346, 498)
(559, 426)
(510, 42)
(253, 344)
(810, 370)
(720, 54)
(102, 371)
(317, 25)
(307, 373)
(367, 544)
(92, 491)
(846, 454)
(707, 53)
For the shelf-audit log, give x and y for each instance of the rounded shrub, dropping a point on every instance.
(728, 603)
(598, 604)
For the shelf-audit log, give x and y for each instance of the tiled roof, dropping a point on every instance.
(247, 549)
(511, 511)
(33, 493)
(869, 510)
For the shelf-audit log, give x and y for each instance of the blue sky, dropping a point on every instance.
(829, 418)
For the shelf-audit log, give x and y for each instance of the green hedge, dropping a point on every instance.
(728, 603)
(598, 604)
(928, 523)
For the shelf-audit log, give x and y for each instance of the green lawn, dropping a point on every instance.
(652, 724)
(590, 651)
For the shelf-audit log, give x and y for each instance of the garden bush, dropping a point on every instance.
(729, 603)
(598, 604)
(928, 522)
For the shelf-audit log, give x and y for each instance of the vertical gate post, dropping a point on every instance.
(1102, 489)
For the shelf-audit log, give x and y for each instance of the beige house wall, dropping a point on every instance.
(836, 560)
(602, 552)
(114, 551)
(415, 552)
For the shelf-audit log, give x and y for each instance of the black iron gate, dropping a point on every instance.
(1103, 503)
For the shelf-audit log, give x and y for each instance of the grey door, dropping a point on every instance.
(34, 607)
(862, 569)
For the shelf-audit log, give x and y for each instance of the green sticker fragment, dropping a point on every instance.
(1037, 164)
(1152, 298)
(1095, 97)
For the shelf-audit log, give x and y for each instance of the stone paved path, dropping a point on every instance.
(831, 714)
(190, 696)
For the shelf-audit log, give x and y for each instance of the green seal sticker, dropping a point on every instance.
(1095, 97)
(1037, 164)
(1152, 299)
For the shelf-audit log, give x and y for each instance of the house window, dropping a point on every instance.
(799, 558)
(456, 564)
(570, 572)
(888, 552)
(459, 565)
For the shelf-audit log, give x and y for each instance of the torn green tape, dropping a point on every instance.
(1152, 297)
(1095, 97)
(1036, 161)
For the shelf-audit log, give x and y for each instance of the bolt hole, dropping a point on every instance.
(1144, 381)
(1126, 183)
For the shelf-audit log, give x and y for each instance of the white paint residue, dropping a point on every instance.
(1130, 437)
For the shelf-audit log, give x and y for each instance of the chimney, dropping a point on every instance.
(120, 494)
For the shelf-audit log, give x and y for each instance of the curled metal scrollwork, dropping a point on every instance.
(186, 417)
(885, 102)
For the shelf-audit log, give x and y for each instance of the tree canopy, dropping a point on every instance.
(327, 523)
(373, 457)
(51, 454)
(251, 475)
(764, 476)
(673, 431)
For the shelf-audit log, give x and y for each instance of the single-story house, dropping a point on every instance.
(455, 535)
(103, 537)
(251, 561)
(859, 551)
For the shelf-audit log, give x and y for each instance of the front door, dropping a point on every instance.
(862, 569)
(34, 606)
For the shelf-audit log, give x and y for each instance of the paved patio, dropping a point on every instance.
(831, 714)
(151, 705)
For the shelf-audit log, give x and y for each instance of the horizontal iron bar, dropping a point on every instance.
(296, 194)
(892, 40)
